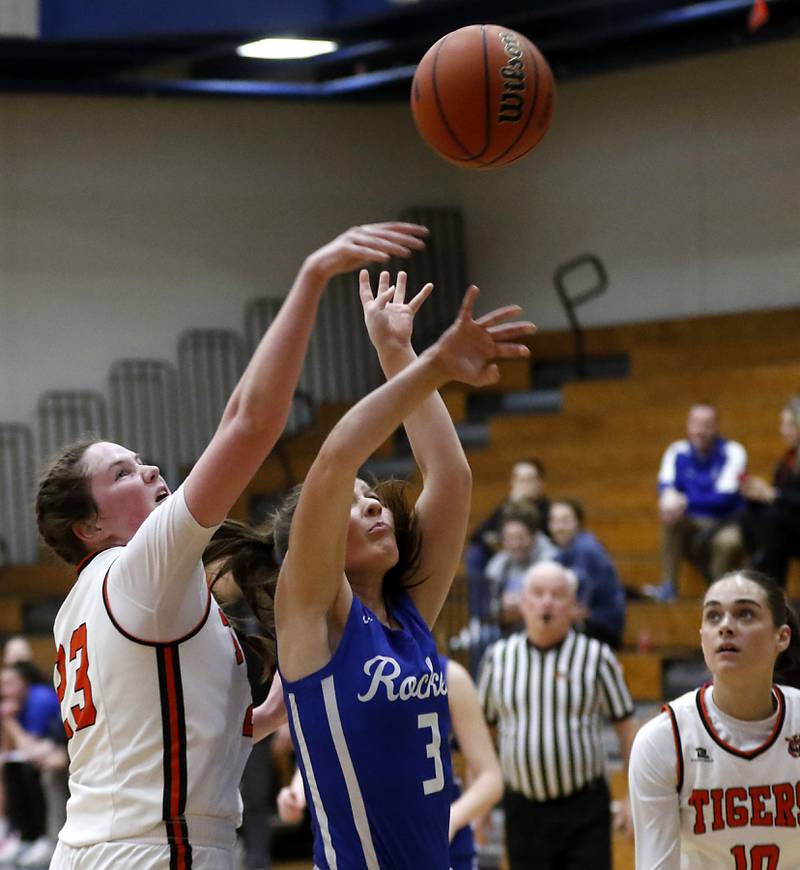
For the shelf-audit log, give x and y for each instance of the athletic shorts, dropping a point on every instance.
(122, 854)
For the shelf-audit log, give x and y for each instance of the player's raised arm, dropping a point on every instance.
(259, 406)
(443, 508)
(433, 440)
(319, 562)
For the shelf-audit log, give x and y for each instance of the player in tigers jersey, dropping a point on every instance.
(715, 778)
(150, 677)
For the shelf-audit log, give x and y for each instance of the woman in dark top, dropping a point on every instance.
(776, 507)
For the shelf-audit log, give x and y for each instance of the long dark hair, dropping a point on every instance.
(252, 555)
(787, 665)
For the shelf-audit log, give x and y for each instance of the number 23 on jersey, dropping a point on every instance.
(82, 714)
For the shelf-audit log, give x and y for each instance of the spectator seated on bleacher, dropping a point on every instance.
(32, 738)
(522, 545)
(600, 596)
(17, 649)
(699, 502)
(773, 516)
(526, 487)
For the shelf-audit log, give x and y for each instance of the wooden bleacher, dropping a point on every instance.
(603, 448)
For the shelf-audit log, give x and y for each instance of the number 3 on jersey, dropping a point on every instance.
(83, 714)
(764, 857)
(433, 751)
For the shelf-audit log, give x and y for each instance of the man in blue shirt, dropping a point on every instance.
(699, 501)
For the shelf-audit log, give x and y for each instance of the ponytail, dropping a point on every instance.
(246, 554)
(787, 666)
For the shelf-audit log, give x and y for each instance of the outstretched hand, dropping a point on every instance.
(389, 318)
(365, 244)
(467, 350)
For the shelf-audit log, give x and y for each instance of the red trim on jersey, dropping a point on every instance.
(676, 736)
(247, 725)
(142, 641)
(739, 753)
(86, 559)
(173, 723)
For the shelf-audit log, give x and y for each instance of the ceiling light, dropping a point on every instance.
(286, 49)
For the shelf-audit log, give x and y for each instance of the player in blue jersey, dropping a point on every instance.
(361, 585)
(484, 779)
(362, 580)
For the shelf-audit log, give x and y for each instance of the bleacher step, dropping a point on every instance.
(473, 435)
(532, 402)
(384, 467)
(554, 372)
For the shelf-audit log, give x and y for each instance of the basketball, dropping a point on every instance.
(482, 96)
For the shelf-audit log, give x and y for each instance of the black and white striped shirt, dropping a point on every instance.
(549, 705)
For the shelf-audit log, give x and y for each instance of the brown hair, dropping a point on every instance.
(524, 512)
(575, 506)
(252, 555)
(787, 664)
(64, 498)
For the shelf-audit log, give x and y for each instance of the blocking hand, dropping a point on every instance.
(389, 318)
(467, 350)
(364, 244)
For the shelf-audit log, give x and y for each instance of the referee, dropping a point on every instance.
(547, 688)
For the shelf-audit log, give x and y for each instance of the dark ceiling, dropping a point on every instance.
(180, 47)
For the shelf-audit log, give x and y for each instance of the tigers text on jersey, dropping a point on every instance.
(738, 809)
(371, 733)
(158, 733)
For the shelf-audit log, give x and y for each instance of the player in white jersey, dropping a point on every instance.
(715, 778)
(151, 679)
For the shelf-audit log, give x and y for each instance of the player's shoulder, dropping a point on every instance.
(687, 701)
(92, 570)
(655, 732)
(681, 446)
(498, 650)
(792, 696)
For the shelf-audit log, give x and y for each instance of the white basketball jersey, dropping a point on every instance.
(738, 810)
(158, 733)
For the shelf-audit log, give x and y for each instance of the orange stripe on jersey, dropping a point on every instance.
(740, 753)
(236, 648)
(174, 737)
(676, 737)
(247, 725)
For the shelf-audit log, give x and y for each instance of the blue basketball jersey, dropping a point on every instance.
(371, 732)
(463, 854)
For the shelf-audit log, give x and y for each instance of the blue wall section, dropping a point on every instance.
(90, 19)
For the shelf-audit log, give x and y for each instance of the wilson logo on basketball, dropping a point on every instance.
(794, 745)
(513, 73)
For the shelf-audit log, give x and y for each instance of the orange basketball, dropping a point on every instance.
(482, 96)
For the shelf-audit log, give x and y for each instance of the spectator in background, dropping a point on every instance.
(525, 489)
(30, 723)
(522, 545)
(699, 502)
(774, 510)
(17, 649)
(601, 598)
